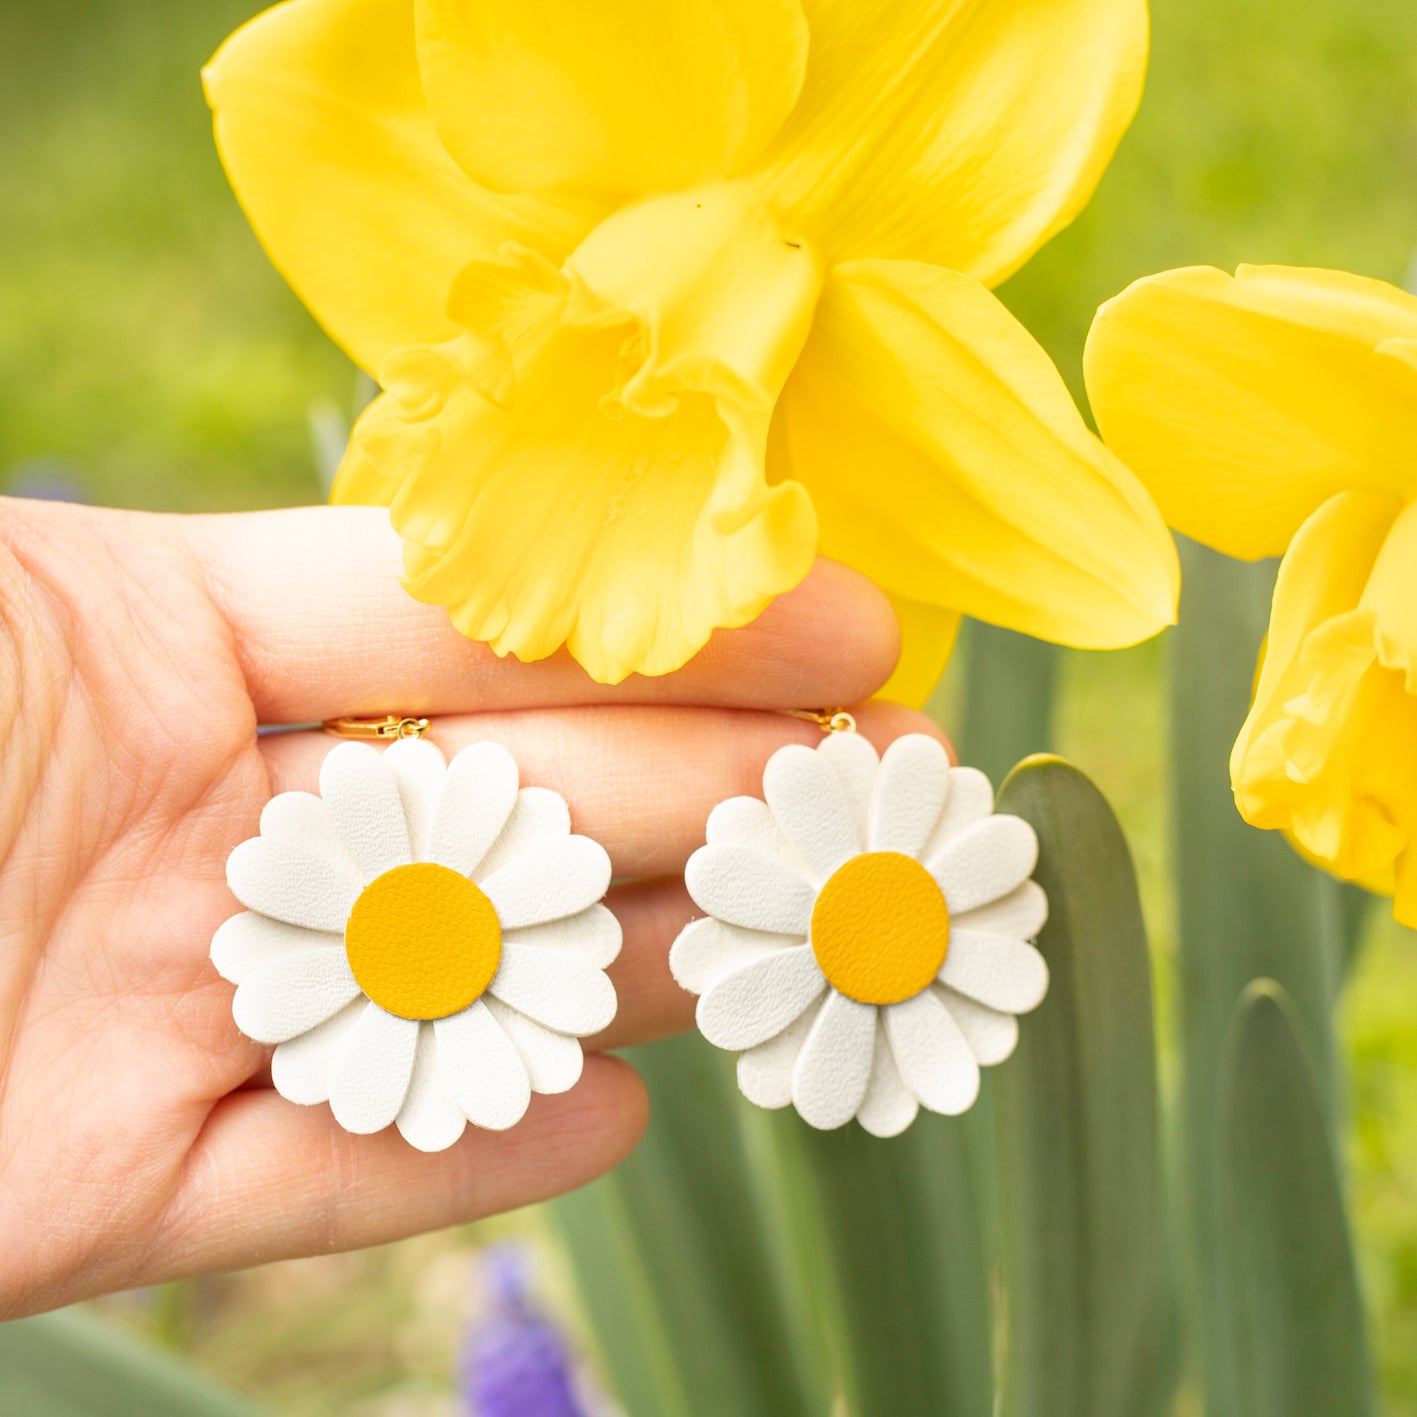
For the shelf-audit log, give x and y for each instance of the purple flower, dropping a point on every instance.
(46, 480)
(516, 1364)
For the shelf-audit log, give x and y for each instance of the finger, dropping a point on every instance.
(641, 781)
(650, 1004)
(324, 628)
(268, 1180)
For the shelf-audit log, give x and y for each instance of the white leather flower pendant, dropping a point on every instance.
(423, 942)
(867, 941)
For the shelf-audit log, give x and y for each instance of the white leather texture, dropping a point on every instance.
(299, 879)
(762, 991)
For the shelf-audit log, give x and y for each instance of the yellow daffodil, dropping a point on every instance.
(1276, 412)
(666, 297)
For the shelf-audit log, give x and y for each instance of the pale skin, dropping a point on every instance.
(140, 1139)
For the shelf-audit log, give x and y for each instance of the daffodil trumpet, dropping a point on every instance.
(1275, 412)
(664, 308)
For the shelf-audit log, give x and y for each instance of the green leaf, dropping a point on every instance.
(69, 1364)
(1086, 1280)
(1010, 683)
(903, 1271)
(681, 1264)
(1300, 1343)
(1248, 908)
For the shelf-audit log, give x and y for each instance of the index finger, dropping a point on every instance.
(323, 627)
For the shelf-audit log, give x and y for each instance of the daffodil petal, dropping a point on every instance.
(1322, 576)
(1328, 753)
(1391, 594)
(324, 132)
(644, 98)
(927, 640)
(1245, 402)
(965, 134)
(1001, 504)
(629, 539)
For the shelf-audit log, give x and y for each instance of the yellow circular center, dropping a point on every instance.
(423, 941)
(880, 928)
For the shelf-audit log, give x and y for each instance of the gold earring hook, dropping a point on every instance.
(390, 725)
(829, 720)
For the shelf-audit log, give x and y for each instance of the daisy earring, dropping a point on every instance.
(423, 942)
(866, 941)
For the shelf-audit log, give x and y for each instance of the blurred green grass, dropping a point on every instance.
(147, 347)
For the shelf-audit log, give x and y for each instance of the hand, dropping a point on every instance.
(140, 1139)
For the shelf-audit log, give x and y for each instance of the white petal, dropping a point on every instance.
(834, 1066)
(288, 996)
(549, 882)
(889, 1106)
(910, 794)
(810, 805)
(482, 1068)
(934, 1060)
(593, 934)
(540, 815)
(554, 987)
(1022, 913)
(418, 768)
(856, 765)
(301, 818)
(372, 1075)
(745, 887)
(479, 793)
(1005, 974)
(552, 1060)
(970, 799)
(759, 1000)
(364, 802)
(244, 943)
(765, 1072)
(290, 883)
(302, 1068)
(707, 949)
(990, 859)
(991, 1036)
(748, 821)
(430, 1118)
(744, 821)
